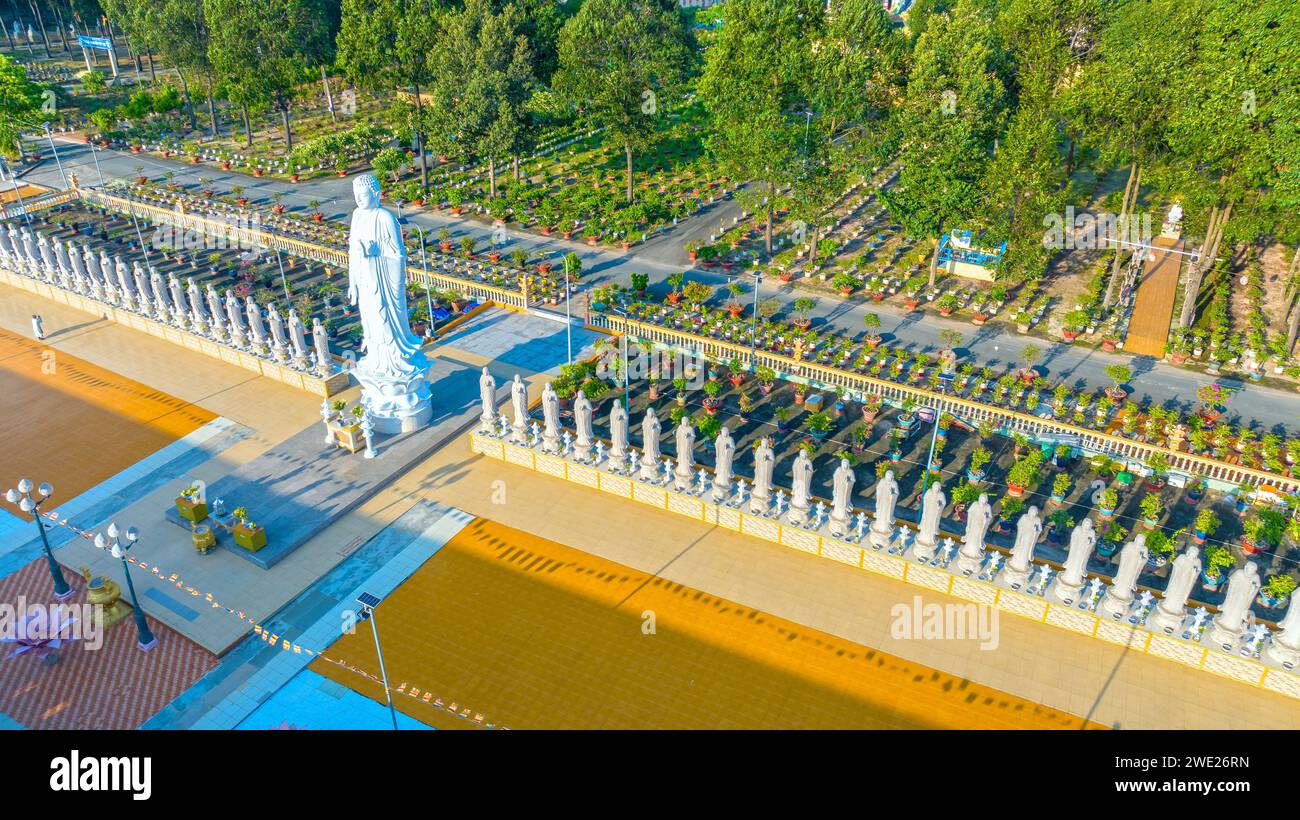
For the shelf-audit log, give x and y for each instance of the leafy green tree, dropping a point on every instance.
(955, 106)
(20, 106)
(757, 87)
(386, 46)
(619, 61)
(481, 82)
(269, 46)
(177, 31)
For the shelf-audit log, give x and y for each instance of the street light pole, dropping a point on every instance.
(753, 322)
(368, 603)
(22, 496)
(428, 299)
(929, 459)
(568, 315)
(118, 550)
(49, 134)
(94, 153)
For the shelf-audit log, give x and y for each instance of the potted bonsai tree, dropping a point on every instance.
(1060, 488)
(1215, 560)
(1206, 523)
(248, 535)
(1109, 501)
(1276, 591)
(819, 424)
(1262, 531)
(1152, 508)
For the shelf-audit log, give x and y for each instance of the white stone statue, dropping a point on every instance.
(1285, 647)
(125, 285)
(841, 498)
(650, 444)
(162, 309)
(927, 532)
(764, 460)
(551, 417)
(216, 324)
(49, 265)
(321, 346)
(685, 455)
(978, 517)
(1132, 559)
(1243, 586)
(279, 339)
(519, 402)
(487, 397)
(144, 304)
(235, 317)
(582, 412)
(85, 284)
(393, 371)
(298, 338)
(1028, 529)
(256, 332)
(725, 451)
(618, 433)
(882, 524)
(1172, 608)
(801, 474)
(198, 317)
(65, 267)
(180, 315)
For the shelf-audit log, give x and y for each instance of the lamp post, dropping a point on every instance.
(368, 603)
(119, 550)
(49, 134)
(428, 299)
(568, 318)
(22, 496)
(13, 179)
(94, 153)
(753, 321)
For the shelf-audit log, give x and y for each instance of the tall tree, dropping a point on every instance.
(955, 106)
(387, 45)
(481, 84)
(620, 60)
(270, 45)
(20, 106)
(757, 86)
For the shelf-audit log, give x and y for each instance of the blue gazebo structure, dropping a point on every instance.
(960, 256)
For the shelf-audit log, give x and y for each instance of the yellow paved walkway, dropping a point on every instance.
(80, 423)
(535, 634)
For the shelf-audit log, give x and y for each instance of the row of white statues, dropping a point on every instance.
(244, 325)
(1071, 586)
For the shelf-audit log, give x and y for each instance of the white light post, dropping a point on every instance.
(119, 550)
(368, 603)
(49, 134)
(22, 496)
(568, 316)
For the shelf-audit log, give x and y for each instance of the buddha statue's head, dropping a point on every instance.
(365, 190)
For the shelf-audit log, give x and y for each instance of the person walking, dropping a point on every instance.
(38, 327)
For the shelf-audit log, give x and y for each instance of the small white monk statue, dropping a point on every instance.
(393, 370)
(841, 498)
(551, 416)
(685, 471)
(519, 403)
(1132, 558)
(764, 459)
(724, 447)
(1172, 608)
(582, 412)
(927, 532)
(882, 525)
(487, 396)
(1019, 565)
(1243, 586)
(801, 473)
(617, 433)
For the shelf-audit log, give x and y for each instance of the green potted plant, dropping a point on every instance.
(1206, 523)
(190, 507)
(711, 400)
(1215, 561)
(1060, 488)
(1277, 591)
(1109, 501)
(978, 460)
(819, 424)
(1152, 508)
(1262, 531)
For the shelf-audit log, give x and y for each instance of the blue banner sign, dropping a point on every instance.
(95, 42)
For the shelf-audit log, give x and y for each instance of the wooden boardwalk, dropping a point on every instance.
(1154, 308)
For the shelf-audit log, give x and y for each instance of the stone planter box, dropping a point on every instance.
(192, 511)
(348, 436)
(249, 538)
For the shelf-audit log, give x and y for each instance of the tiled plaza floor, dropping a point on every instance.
(80, 423)
(113, 687)
(538, 635)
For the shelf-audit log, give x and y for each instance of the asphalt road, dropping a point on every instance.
(1269, 409)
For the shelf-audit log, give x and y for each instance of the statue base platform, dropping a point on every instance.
(1115, 606)
(924, 551)
(1015, 578)
(968, 565)
(880, 540)
(1065, 592)
(1224, 637)
(1167, 622)
(398, 403)
(1282, 654)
